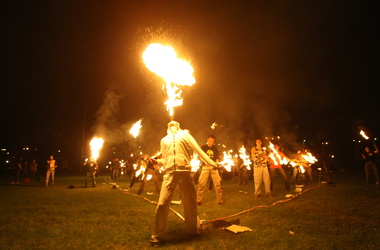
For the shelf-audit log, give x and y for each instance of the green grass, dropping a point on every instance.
(345, 215)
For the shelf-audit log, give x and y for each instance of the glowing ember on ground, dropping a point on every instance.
(163, 61)
(135, 130)
(96, 144)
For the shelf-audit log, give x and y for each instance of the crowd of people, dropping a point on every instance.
(172, 167)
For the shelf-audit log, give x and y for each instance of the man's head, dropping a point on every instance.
(210, 140)
(173, 127)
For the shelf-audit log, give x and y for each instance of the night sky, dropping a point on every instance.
(303, 70)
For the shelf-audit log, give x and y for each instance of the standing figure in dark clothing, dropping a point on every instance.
(369, 157)
(91, 167)
(212, 151)
(149, 173)
(116, 166)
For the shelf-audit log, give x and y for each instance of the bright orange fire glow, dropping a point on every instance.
(163, 61)
(245, 157)
(362, 133)
(96, 144)
(309, 158)
(227, 162)
(135, 130)
(195, 163)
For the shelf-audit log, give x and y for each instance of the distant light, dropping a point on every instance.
(3, 149)
(59, 151)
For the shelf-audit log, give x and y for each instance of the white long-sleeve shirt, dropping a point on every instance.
(177, 149)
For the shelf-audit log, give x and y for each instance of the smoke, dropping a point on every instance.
(107, 124)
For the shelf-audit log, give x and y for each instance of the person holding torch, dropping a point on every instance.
(176, 149)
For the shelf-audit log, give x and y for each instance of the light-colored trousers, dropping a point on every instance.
(188, 197)
(206, 171)
(48, 174)
(261, 174)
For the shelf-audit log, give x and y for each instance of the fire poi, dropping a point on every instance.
(163, 61)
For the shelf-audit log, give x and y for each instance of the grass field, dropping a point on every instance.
(342, 215)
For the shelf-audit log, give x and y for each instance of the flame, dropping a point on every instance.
(227, 162)
(245, 157)
(148, 177)
(195, 163)
(302, 169)
(274, 155)
(96, 144)
(309, 158)
(362, 133)
(214, 125)
(135, 130)
(163, 61)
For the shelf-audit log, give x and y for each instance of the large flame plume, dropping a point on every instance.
(96, 144)
(163, 61)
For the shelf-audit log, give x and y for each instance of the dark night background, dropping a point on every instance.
(306, 71)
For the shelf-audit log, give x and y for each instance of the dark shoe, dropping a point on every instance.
(269, 196)
(221, 203)
(199, 203)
